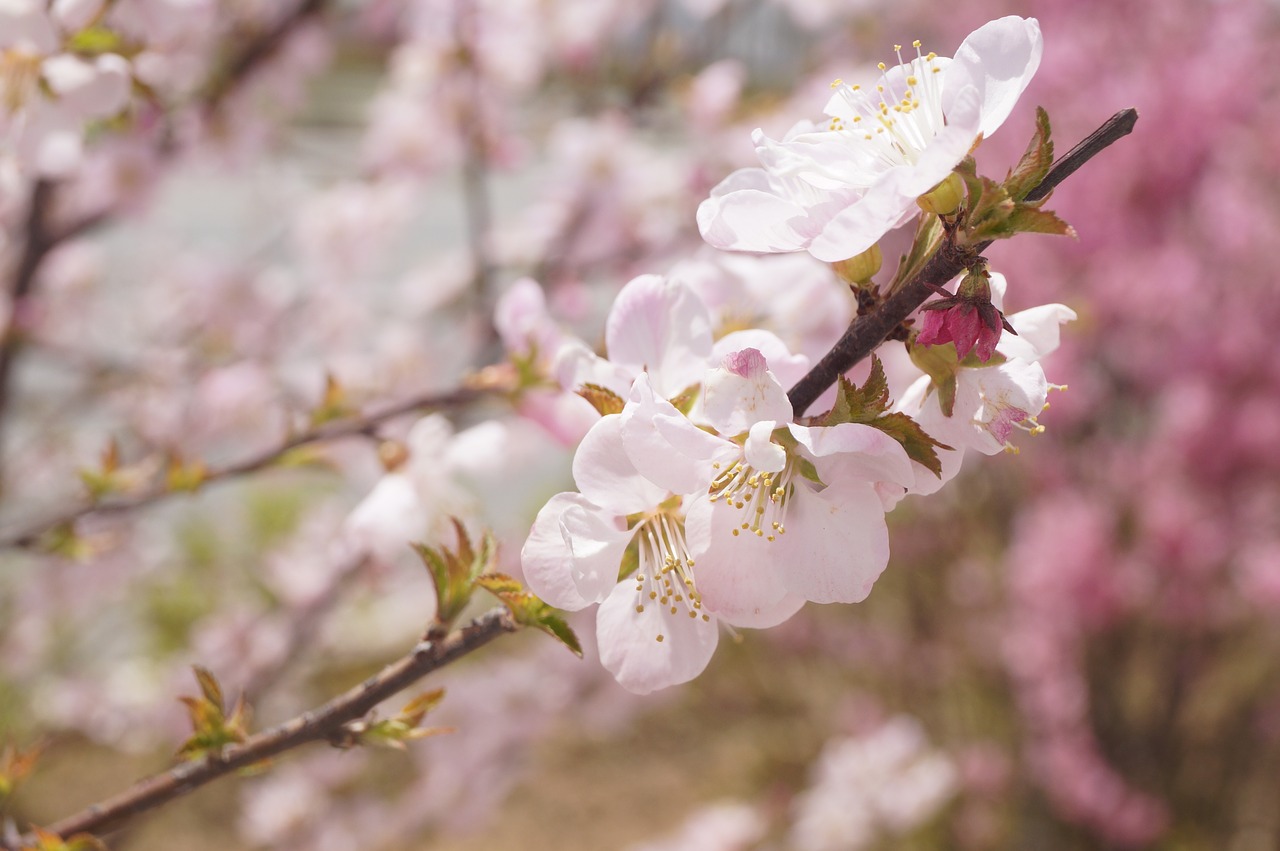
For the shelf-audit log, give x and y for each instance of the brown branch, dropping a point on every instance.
(31, 535)
(39, 241)
(867, 332)
(321, 724)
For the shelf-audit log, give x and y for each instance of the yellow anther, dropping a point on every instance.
(640, 608)
(835, 84)
(659, 638)
(916, 43)
(881, 65)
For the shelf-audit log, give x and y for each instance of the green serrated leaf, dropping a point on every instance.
(499, 584)
(860, 404)
(208, 685)
(919, 446)
(1035, 162)
(604, 400)
(554, 625)
(1029, 219)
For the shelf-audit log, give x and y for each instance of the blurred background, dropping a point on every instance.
(312, 209)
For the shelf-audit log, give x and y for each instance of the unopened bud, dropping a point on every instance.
(859, 270)
(943, 199)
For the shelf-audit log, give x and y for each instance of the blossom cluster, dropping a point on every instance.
(701, 499)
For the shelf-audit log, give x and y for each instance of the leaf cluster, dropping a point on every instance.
(869, 405)
(212, 728)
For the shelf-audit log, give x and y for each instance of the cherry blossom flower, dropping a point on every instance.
(652, 629)
(836, 190)
(782, 513)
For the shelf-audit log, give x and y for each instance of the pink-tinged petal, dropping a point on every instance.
(1000, 58)
(576, 366)
(760, 452)
(605, 474)
(665, 447)
(737, 576)
(852, 451)
(657, 324)
(1039, 331)
(743, 392)
(836, 544)
(786, 367)
(547, 557)
(596, 542)
(524, 324)
(630, 648)
(745, 213)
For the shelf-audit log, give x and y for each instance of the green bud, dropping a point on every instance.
(943, 199)
(859, 270)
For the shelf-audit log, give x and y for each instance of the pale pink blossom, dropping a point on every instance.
(835, 190)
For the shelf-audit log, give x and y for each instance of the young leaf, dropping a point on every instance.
(1035, 162)
(528, 610)
(861, 404)
(919, 446)
(604, 400)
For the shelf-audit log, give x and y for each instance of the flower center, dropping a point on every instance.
(896, 120)
(763, 497)
(665, 574)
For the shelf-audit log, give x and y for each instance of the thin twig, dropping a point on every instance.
(867, 332)
(321, 724)
(31, 535)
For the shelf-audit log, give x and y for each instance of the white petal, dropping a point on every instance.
(1000, 58)
(1039, 331)
(743, 392)
(760, 451)
(665, 447)
(745, 213)
(547, 557)
(631, 651)
(836, 544)
(657, 324)
(738, 576)
(853, 450)
(605, 474)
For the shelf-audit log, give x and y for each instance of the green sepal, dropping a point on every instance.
(528, 610)
(455, 572)
(604, 400)
(1035, 162)
(928, 236)
(941, 364)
